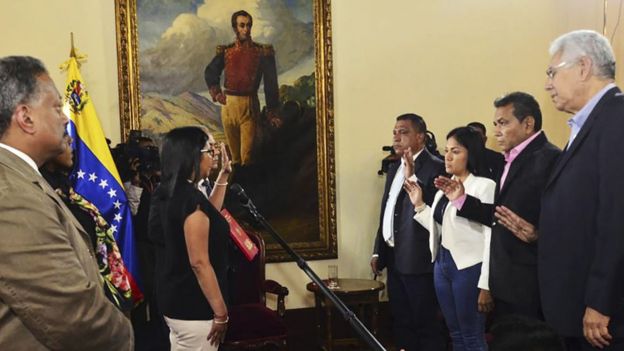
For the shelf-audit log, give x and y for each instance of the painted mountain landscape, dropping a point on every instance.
(178, 38)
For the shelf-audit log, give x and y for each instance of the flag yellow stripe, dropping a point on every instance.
(88, 125)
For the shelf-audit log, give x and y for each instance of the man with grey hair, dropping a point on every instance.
(51, 295)
(581, 232)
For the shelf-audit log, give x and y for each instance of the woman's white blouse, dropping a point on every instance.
(468, 241)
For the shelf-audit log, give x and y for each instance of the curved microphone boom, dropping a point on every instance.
(244, 199)
(240, 192)
(349, 316)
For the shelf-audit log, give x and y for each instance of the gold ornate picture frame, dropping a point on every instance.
(317, 244)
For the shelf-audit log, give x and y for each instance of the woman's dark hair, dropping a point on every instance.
(180, 157)
(471, 140)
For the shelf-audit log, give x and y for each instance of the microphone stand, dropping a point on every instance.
(347, 314)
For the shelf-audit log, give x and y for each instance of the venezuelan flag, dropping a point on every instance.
(95, 175)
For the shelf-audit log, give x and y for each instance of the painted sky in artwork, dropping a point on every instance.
(178, 38)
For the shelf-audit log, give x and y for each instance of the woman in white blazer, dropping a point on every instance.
(459, 247)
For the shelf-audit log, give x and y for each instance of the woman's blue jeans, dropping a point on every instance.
(458, 293)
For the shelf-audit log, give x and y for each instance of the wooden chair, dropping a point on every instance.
(252, 324)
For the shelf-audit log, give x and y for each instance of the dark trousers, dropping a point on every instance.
(581, 344)
(414, 311)
(503, 308)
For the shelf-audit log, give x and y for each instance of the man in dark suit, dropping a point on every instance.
(529, 161)
(494, 161)
(581, 233)
(402, 245)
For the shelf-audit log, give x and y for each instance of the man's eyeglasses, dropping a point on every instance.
(552, 71)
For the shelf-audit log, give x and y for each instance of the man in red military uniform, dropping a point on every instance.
(245, 63)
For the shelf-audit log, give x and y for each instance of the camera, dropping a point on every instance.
(138, 155)
(386, 160)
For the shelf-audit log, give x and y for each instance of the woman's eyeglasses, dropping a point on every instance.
(210, 151)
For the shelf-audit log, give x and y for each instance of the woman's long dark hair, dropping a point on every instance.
(180, 157)
(471, 140)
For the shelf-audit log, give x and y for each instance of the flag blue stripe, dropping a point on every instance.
(95, 183)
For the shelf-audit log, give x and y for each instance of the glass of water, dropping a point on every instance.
(332, 276)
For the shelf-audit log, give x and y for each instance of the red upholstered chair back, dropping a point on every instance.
(252, 324)
(247, 282)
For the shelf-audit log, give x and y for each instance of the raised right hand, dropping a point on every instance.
(408, 160)
(226, 163)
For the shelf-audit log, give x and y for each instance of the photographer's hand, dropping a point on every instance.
(134, 163)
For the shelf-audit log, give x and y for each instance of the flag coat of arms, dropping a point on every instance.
(95, 176)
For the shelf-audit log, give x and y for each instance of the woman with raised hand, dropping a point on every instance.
(459, 247)
(193, 272)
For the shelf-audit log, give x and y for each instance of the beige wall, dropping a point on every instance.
(41, 29)
(444, 59)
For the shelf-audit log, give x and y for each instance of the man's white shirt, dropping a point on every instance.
(387, 228)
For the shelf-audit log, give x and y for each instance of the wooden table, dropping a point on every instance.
(360, 293)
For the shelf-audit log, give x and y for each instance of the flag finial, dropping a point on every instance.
(72, 53)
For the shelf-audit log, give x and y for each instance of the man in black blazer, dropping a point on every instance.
(402, 245)
(581, 233)
(529, 160)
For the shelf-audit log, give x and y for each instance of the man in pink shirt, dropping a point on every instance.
(529, 159)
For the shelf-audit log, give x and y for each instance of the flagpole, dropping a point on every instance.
(72, 53)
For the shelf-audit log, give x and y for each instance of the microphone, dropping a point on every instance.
(240, 193)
